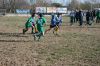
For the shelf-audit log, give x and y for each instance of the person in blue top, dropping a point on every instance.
(30, 24)
(58, 23)
(59, 20)
(53, 22)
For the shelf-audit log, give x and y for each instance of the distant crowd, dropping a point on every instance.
(87, 17)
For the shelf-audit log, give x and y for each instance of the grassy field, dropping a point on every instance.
(74, 47)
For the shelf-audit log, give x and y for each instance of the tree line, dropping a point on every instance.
(12, 5)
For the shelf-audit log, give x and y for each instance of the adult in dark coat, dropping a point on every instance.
(88, 15)
(80, 18)
(77, 15)
(94, 14)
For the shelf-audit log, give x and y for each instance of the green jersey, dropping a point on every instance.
(40, 24)
(98, 15)
(30, 22)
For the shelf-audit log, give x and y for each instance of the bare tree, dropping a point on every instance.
(74, 4)
(93, 4)
(2, 4)
(12, 5)
(56, 5)
(41, 3)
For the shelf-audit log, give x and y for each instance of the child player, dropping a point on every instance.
(30, 24)
(53, 23)
(41, 21)
(59, 20)
(58, 23)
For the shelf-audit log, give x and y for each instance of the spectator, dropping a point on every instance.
(77, 16)
(88, 17)
(98, 16)
(80, 18)
(72, 16)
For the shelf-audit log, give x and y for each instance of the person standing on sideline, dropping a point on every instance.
(88, 17)
(72, 16)
(91, 17)
(98, 16)
(77, 16)
(80, 18)
(94, 15)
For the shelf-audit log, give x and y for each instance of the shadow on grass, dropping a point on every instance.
(12, 35)
(15, 41)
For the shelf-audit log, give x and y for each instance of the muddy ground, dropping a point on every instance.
(74, 46)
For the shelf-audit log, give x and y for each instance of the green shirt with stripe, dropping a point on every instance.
(40, 24)
(29, 22)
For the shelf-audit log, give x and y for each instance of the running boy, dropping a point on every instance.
(53, 23)
(58, 23)
(30, 24)
(41, 21)
(59, 20)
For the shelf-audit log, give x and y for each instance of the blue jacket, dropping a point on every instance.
(59, 19)
(53, 20)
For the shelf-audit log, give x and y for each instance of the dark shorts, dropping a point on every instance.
(57, 23)
(52, 26)
(98, 18)
(33, 24)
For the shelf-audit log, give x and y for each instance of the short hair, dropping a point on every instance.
(33, 14)
(40, 14)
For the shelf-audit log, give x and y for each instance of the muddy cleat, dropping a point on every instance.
(32, 32)
(39, 38)
(53, 32)
(34, 35)
(23, 31)
(57, 35)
